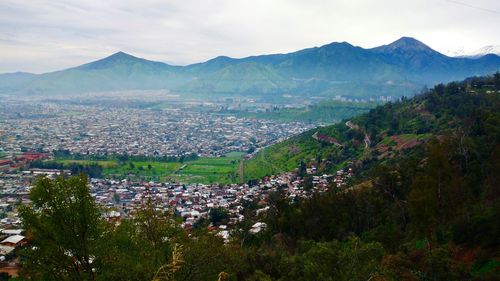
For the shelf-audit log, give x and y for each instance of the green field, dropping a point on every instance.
(71, 113)
(201, 170)
(104, 164)
(209, 170)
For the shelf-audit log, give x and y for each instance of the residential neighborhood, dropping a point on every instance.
(37, 132)
(94, 130)
(192, 202)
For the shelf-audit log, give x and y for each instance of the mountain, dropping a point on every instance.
(400, 68)
(116, 72)
(424, 188)
(388, 131)
(486, 50)
(491, 49)
(13, 81)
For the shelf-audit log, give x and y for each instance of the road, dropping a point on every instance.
(241, 170)
(357, 128)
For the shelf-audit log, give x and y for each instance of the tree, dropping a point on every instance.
(302, 168)
(218, 215)
(205, 256)
(4, 276)
(348, 260)
(140, 247)
(308, 182)
(65, 227)
(116, 198)
(496, 78)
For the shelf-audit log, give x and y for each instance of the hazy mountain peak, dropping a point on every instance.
(343, 44)
(121, 56)
(490, 49)
(406, 63)
(116, 59)
(221, 59)
(407, 40)
(405, 44)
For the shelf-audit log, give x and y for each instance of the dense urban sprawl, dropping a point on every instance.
(35, 131)
(93, 130)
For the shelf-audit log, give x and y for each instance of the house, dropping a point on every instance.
(5, 250)
(14, 241)
(258, 227)
(5, 162)
(11, 232)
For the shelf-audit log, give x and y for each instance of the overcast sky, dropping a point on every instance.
(46, 35)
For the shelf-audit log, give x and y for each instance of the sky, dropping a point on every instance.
(47, 35)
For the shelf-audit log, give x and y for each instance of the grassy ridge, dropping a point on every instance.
(286, 156)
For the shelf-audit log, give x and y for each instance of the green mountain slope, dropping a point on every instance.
(397, 69)
(387, 131)
(13, 81)
(243, 78)
(423, 203)
(116, 72)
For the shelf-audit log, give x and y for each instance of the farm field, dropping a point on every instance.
(201, 170)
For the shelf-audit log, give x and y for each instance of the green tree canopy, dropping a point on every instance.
(65, 227)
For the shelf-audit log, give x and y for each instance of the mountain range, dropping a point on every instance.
(486, 50)
(400, 68)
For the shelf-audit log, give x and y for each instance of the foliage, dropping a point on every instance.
(218, 216)
(65, 226)
(349, 260)
(92, 169)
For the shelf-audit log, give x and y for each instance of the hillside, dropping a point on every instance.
(116, 72)
(424, 202)
(11, 82)
(386, 131)
(400, 68)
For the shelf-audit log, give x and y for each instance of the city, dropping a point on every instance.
(98, 131)
(34, 131)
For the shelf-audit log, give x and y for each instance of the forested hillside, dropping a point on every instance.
(425, 203)
(387, 131)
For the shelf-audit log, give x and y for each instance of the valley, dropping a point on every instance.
(237, 140)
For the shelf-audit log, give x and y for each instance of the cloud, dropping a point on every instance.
(46, 35)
